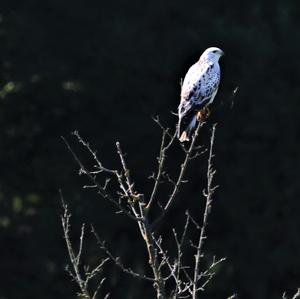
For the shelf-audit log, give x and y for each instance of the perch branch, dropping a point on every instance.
(208, 195)
(180, 180)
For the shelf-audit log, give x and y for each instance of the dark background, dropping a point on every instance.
(105, 68)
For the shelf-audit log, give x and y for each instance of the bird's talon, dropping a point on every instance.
(199, 115)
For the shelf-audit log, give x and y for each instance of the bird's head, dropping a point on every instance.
(212, 53)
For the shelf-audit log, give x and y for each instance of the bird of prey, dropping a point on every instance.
(198, 90)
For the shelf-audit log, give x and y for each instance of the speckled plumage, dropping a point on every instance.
(198, 90)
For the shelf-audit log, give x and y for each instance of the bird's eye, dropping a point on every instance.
(214, 51)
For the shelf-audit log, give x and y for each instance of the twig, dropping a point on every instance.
(188, 155)
(188, 281)
(132, 213)
(183, 168)
(93, 153)
(82, 279)
(126, 170)
(104, 193)
(297, 295)
(145, 231)
(208, 195)
(161, 162)
(179, 244)
(149, 239)
(117, 260)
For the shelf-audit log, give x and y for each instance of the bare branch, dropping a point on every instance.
(164, 258)
(179, 245)
(145, 231)
(208, 274)
(82, 279)
(183, 168)
(180, 179)
(157, 121)
(125, 169)
(186, 280)
(98, 288)
(149, 239)
(193, 220)
(93, 153)
(297, 295)
(117, 260)
(161, 161)
(104, 193)
(208, 195)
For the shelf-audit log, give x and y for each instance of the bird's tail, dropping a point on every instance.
(184, 131)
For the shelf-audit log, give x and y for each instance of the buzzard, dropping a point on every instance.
(198, 90)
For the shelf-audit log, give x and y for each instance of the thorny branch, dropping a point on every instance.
(208, 195)
(183, 168)
(101, 190)
(144, 228)
(81, 277)
(161, 160)
(187, 280)
(117, 260)
(180, 179)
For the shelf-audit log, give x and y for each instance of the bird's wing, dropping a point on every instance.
(198, 88)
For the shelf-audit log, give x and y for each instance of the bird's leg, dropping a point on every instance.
(200, 115)
(203, 113)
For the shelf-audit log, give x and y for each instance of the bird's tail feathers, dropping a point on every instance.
(186, 133)
(184, 137)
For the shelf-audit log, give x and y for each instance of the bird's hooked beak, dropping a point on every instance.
(222, 53)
